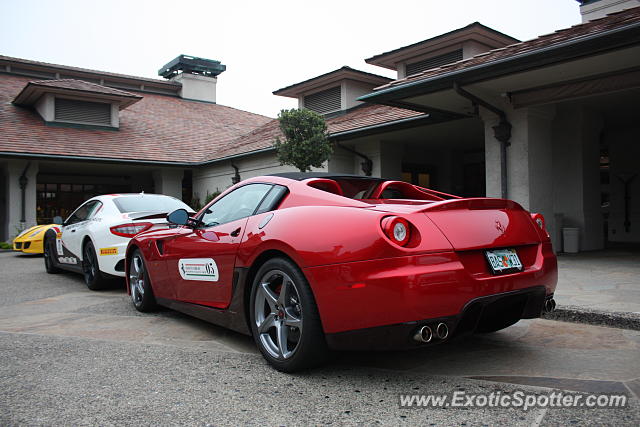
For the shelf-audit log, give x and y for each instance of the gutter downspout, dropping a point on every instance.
(236, 177)
(367, 164)
(23, 181)
(502, 132)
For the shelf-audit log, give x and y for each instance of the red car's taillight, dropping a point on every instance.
(130, 230)
(539, 220)
(397, 229)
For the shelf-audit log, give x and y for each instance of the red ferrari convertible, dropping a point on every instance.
(313, 262)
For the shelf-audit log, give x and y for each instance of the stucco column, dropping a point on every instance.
(492, 155)
(341, 161)
(529, 159)
(168, 182)
(13, 195)
(576, 173)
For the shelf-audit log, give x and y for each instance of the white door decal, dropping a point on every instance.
(202, 269)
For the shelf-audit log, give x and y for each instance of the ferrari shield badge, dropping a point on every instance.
(202, 269)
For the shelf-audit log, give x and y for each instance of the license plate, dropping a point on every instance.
(503, 260)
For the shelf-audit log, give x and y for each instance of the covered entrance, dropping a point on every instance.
(561, 127)
(55, 188)
(447, 156)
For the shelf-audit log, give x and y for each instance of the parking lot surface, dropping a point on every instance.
(75, 357)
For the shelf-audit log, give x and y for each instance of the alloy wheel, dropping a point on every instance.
(278, 314)
(89, 264)
(136, 279)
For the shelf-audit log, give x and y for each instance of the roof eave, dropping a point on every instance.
(32, 92)
(389, 59)
(294, 90)
(571, 49)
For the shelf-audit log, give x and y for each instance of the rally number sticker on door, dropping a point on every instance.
(203, 269)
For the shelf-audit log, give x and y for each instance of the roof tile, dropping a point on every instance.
(157, 128)
(357, 118)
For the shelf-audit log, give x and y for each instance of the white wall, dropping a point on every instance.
(168, 182)
(602, 8)
(351, 90)
(197, 88)
(385, 156)
(45, 107)
(217, 176)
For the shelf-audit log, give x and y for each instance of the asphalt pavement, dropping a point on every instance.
(71, 356)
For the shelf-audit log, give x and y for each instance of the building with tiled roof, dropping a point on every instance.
(549, 122)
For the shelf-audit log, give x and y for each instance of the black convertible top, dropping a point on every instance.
(300, 176)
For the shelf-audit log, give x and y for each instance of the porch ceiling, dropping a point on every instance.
(462, 134)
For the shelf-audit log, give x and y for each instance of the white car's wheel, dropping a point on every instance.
(93, 277)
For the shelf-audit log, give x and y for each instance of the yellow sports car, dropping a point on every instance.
(30, 240)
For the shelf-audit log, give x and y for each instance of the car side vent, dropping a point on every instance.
(160, 246)
(84, 112)
(434, 62)
(324, 102)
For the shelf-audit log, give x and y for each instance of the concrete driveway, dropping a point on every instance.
(603, 280)
(75, 357)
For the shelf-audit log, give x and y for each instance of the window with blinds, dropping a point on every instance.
(93, 113)
(325, 101)
(434, 62)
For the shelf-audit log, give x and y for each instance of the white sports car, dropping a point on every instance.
(93, 240)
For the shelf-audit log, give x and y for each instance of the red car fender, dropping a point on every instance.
(323, 235)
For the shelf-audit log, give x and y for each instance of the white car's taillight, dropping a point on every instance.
(130, 230)
(397, 229)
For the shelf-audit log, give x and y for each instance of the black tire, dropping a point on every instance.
(139, 284)
(49, 250)
(278, 311)
(93, 277)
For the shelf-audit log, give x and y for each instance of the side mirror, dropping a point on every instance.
(57, 220)
(179, 217)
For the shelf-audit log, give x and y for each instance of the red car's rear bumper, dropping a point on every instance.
(383, 292)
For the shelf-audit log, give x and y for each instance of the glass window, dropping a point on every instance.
(84, 212)
(149, 203)
(238, 204)
(273, 199)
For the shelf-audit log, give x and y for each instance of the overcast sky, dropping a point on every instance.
(265, 44)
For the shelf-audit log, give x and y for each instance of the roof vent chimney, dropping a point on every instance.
(198, 76)
(595, 9)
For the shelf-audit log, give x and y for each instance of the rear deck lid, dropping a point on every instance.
(483, 223)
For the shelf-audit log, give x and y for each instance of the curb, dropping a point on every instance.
(571, 313)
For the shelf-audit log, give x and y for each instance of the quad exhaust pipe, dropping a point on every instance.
(442, 331)
(549, 305)
(427, 333)
(424, 334)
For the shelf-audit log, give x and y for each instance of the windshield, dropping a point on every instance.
(149, 203)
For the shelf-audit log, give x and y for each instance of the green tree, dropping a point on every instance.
(305, 142)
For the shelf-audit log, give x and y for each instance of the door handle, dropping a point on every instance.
(235, 232)
(73, 231)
